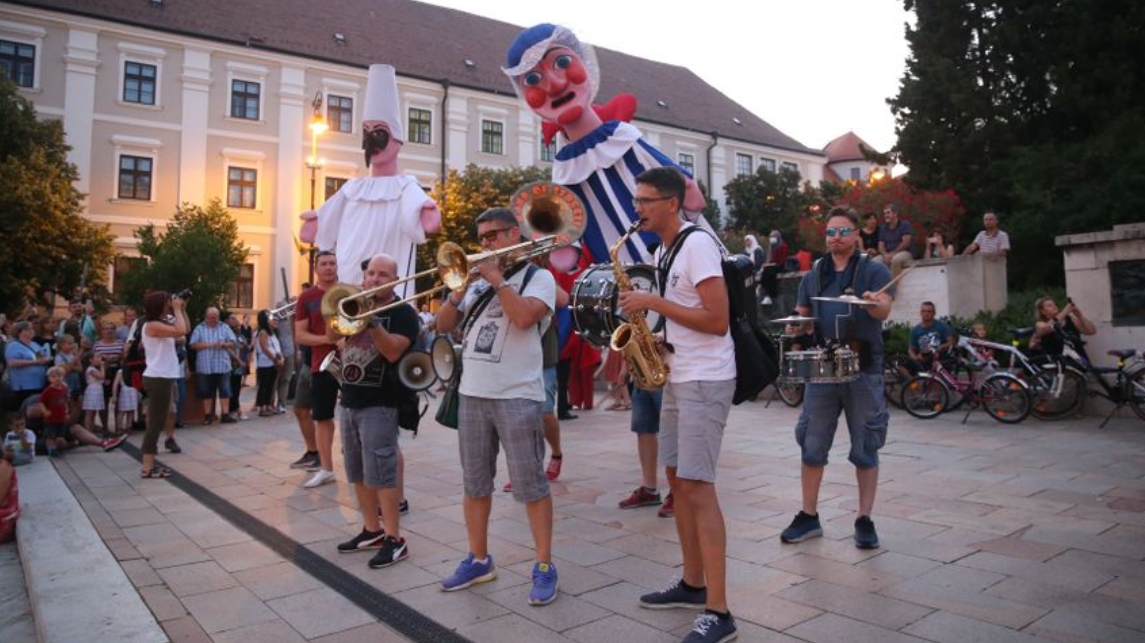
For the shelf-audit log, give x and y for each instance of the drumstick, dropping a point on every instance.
(893, 281)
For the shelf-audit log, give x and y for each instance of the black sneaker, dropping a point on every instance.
(392, 552)
(709, 628)
(804, 526)
(307, 459)
(172, 446)
(403, 507)
(228, 419)
(363, 541)
(865, 536)
(676, 595)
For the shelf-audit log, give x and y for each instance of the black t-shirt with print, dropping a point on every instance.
(368, 379)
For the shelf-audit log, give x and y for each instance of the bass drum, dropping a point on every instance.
(595, 301)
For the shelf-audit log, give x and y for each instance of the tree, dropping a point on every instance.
(1029, 109)
(200, 250)
(466, 195)
(50, 245)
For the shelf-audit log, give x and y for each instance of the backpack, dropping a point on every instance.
(134, 360)
(757, 358)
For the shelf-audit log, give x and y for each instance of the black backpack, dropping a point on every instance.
(757, 358)
(134, 361)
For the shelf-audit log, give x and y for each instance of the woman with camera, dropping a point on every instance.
(163, 369)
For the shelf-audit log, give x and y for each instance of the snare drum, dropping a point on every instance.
(820, 366)
(595, 301)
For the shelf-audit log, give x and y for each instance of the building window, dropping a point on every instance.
(766, 164)
(242, 185)
(340, 113)
(18, 61)
(743, 165)
(420, 128)
(333, 184)
(241, 293)
(1126, 284)
(139, 83)
(244, 99)
(492, 137)
(135, 177)
(788, 165)
(549, 150)
(120, 268)
(855, 174)
(687, 161)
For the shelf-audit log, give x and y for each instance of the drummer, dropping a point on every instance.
(844, 272)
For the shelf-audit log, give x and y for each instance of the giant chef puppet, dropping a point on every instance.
(558, 77)
(384, 212)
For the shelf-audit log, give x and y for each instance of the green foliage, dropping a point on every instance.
(200, 250)
(927, 211)
(48, 242)
(768, 200)
(1029, 109)
(466, 195)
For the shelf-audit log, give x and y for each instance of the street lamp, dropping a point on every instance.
(317, 127)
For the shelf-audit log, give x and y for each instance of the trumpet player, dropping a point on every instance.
(371, 394)
(310, 330)
(697, 397)
(501, 398)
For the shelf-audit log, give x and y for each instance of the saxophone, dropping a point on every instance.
(633, 339)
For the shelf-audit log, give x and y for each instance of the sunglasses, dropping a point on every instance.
(841, 232)
(491, 235)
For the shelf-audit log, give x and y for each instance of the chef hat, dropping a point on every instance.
(382, 100)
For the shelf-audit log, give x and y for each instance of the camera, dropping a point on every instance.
(183, 294)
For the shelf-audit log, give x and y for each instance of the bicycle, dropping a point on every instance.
(893, 379)
(1057, 384)
(1004, 396)
(1127, 387)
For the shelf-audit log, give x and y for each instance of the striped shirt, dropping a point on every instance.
(112, 353)
(988, 245)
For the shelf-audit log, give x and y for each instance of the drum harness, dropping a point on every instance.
(823, 273)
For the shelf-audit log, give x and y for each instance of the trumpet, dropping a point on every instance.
(283, 312)
(550, 215)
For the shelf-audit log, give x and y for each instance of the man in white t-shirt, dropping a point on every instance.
(991, 240)
(697, 398)
(501, 398)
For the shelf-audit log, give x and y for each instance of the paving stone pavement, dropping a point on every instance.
(989, 532)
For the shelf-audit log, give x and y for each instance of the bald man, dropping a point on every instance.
(212, 342)
(371, 394)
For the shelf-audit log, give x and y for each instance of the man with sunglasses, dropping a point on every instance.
(502, 393)
(844, 270)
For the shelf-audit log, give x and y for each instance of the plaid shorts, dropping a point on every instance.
(484, 425)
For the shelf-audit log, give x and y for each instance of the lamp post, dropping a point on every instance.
(317, 127)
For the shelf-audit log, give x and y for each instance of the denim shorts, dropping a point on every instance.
(370, 446)
(864, 403)
(207, 384)
(692, 420)
(550, 406)
(646, 410)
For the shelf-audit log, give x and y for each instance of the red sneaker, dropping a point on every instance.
(554, 469)
(508, 488)
(668, 509)
(641, 498)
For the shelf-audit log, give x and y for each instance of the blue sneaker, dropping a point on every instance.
(544, 584)
(469, 572)
(710, 628)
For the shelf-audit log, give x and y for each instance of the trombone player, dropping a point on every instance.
(371, 395)
(501, 397)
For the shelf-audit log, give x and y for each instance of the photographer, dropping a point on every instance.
(937, 248)
(163, 369)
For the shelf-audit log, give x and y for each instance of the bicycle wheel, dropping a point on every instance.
(1137, 393)
(892, 384)
(790, 392)
(1005, 398)
(1056, 393)
(924, 396)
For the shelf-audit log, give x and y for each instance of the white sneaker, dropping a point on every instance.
(319, 479)
(766, 301)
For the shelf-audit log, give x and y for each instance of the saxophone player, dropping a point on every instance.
(697, 397)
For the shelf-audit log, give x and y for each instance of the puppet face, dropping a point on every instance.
(558, 88)
(380, 147)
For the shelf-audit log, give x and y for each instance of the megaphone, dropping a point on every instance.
(332, 364)
(446, 358)
(415, 370)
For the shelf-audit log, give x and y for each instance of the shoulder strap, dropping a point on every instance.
(669, 256)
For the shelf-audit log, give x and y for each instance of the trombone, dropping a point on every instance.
(549, 214)
(283, 312)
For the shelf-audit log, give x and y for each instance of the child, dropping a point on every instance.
(124, 402)
(19, 444)
(68, 358)
(615, 372)
(55, 402)
(93, 395)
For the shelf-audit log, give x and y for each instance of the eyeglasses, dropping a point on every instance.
(842, 232)
(642, 201)
(491, 235)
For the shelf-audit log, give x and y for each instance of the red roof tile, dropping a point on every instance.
(845, 148)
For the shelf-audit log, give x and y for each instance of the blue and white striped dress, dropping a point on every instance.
(601, 169)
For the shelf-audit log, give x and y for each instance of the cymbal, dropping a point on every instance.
(794, 319)
(847, 299)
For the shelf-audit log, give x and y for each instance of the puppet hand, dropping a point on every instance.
(693, 198)
(309, 226)
(430, 217)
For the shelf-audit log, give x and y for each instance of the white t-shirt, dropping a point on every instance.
(369, 216)
(988, 245)
(697, 356)
(499, 360)
(162, 360)
(12, 439)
